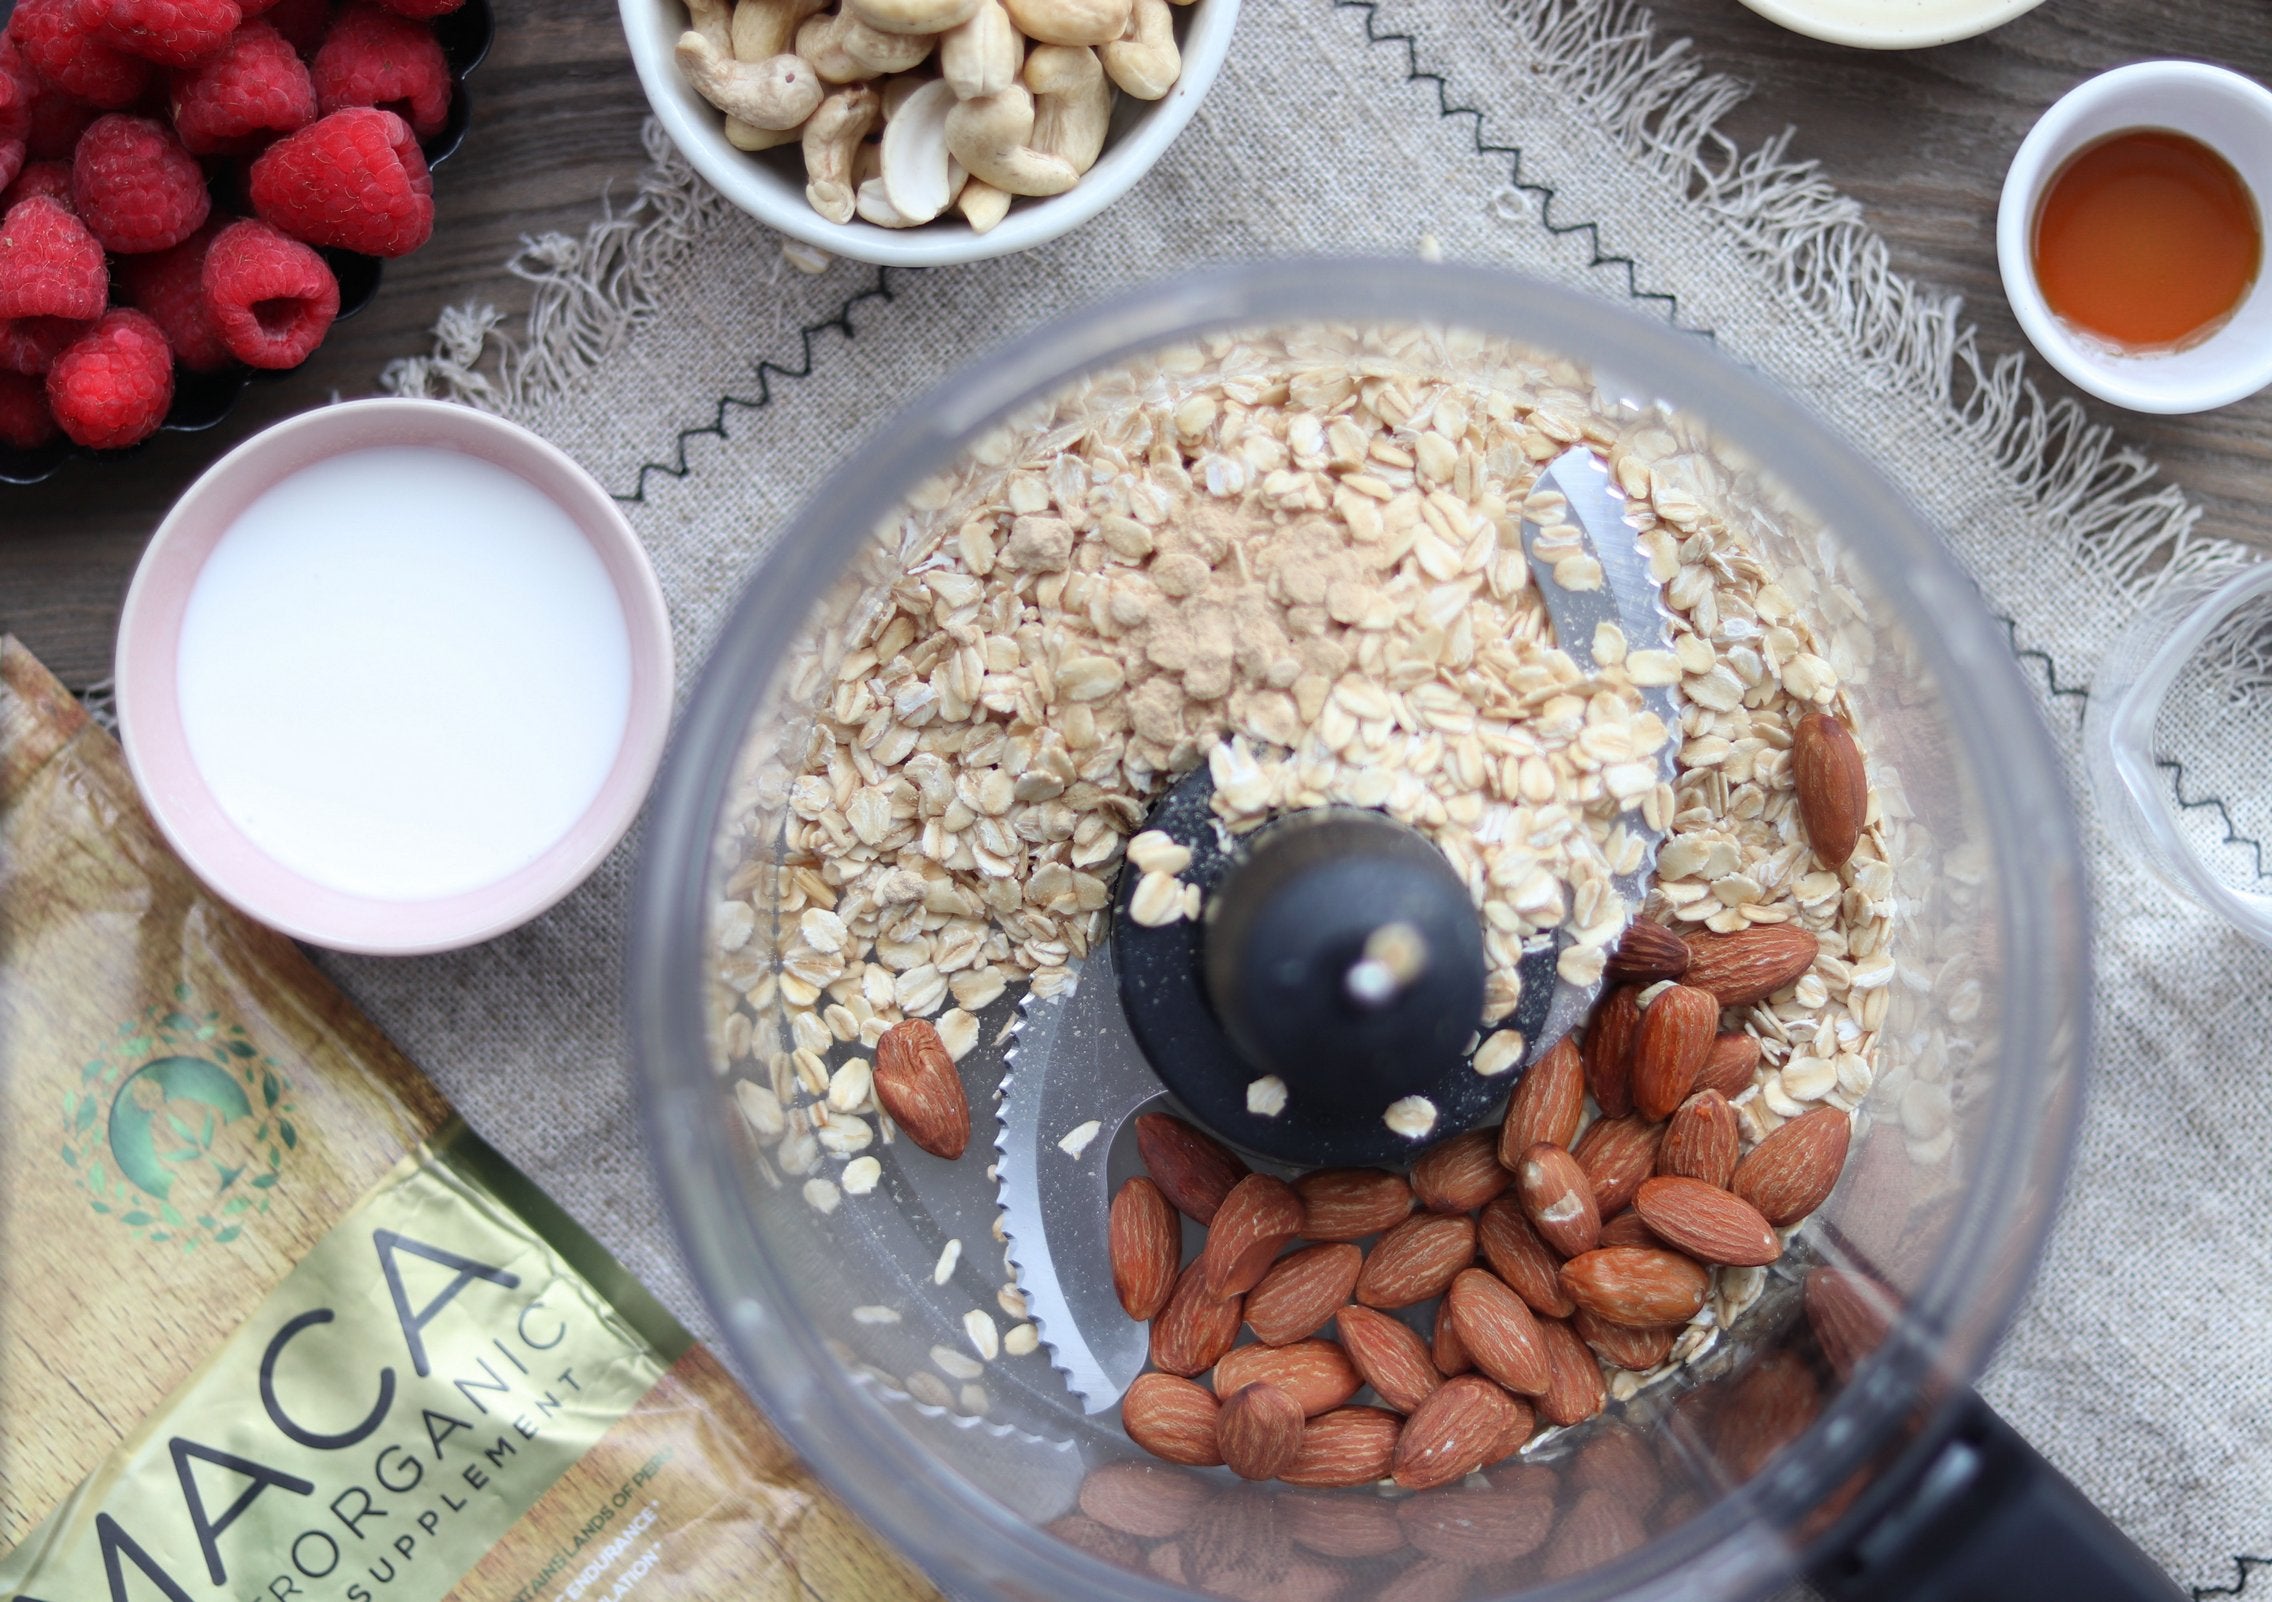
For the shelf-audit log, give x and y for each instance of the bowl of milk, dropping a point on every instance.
(394, 676)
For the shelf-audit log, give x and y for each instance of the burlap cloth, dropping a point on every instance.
(674, 354)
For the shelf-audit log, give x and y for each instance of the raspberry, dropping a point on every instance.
(353, 179)
(256, 87)
(134, 186)
(301, 21)
(172, 33)
(58, 120)
(111, 388)
(16, 91)
(372, 57)
(423, 10)
(56, 37)
(49, 178)
(50, 266)
(170, 287)
(25, 421)
(272, 298)
(30, 344)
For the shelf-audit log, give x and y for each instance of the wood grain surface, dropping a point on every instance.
(1921, 138)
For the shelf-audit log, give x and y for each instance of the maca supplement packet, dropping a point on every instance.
(274, 1324)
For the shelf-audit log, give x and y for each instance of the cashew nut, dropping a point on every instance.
(1072, 100)
(867, 163)
(749, 136)
(714, 21)
(763, 28)
(895, 91)
(874, 205)
(919, 174)
(912, 16)
(982, 205)
(832, 139)
(821, 41)
(778, 92)
(1144, 60)
(992, 136)
(1069, 22)
(983, 55)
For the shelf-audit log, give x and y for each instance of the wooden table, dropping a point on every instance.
(1921, 138)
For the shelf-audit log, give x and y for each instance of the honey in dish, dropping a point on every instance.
(2147, 239)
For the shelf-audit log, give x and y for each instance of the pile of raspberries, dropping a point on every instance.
(168, 169)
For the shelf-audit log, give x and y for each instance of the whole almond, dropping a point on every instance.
(1702, 1140)
(1767, 1407)
(1256, 1221)
(1416, 1260)
(1646, 953)
(1258, 1431)
(1351, 1203)
(1547, 1106)
(1608, 1050)
(1444, 1348)
(1498, 1331)
(1348, 1446)
(916, 1083)
(1460, 1174)
(1389, 1356)
(1343, 1526)
(1752, 963)
(1637, 1285)
(1676, 1035)
(1116, 1547)
(1301, 1292)
(1575, 1390)
(1317, 1374)
(1638, 1349)
(1194, 1329)
(1706, 1222)
(1729, 1066)
(1513, 1437)
(1626, 1229)
(1452, 1433)
(1172, 1418)
(1490, 1525)
(1195, 1171)
(1146, 1244)
(1834, 792)
(1558, 1199)
(1617, 1154)
(1519, 1257)
(1590, 1534)
(1141, 1499)
(1790, 1173)
(1849, 1313)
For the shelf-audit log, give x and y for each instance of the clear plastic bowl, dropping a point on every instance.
(1710, 1484)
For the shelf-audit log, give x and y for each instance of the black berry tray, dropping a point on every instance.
(202, 399)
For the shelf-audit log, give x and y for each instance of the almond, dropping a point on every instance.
(1675, 1037)
(1767, 1407)
(1495, 1524)
(1258, 1431)
(1702, 1140)
(1626, 1229)
(1706, 1222)
(1444, 1348)
(1850, 1314)
(1637, 1349)
(1195, 1171)
(1141, 1499)
(1636, 1285)
(1460, 1174)
(1498, 1331)
(1788, 1175)
(1253, 1225)
(1729, 1066)
(1558, 1200)
(1427, 1580)
(1121, 1550)
(1316, 1374)
(1617, 1154)
(1351, 1203)
(916, 1083)
(1301, 1292)
(1519, 1257)
(1547, 1106)
(1452, 1433)
(1751, 964)
(1194, 1329)
(1172, 1418)
(1348, 1446)
(1146, 1245)
(1389, 1355)
(1834, 792)
(1575, 1390)
(1608, 1050)
(1646, 953)
(1343, 1526)
(1416, 1260)
(1592, 1533)
(1515, 1436)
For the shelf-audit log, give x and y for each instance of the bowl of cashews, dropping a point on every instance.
(925, 132)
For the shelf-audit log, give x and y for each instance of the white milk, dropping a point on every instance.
(404, 672)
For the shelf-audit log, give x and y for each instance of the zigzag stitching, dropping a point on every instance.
(2243, 1567)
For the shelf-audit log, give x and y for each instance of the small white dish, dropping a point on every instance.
(1891, 24)
(762, 184)
(2230, 114)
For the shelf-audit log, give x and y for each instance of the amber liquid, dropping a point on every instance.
(2147, 239)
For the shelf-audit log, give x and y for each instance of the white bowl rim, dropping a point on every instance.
(1836, 21)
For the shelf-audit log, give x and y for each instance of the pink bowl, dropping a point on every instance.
(157, 747)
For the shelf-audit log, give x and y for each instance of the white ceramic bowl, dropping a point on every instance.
(2230, 114)
(770, 186)
(1891, 24)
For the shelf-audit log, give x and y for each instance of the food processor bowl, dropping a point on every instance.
(1818, 1423)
